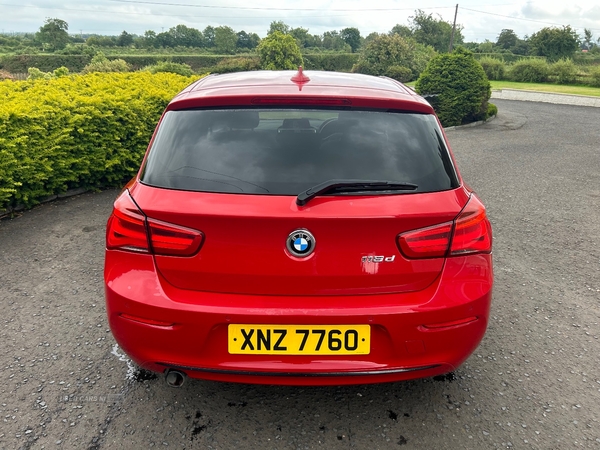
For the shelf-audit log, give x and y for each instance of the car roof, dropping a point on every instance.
(292, 87)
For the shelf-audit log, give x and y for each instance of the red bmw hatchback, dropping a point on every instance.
(298, 228)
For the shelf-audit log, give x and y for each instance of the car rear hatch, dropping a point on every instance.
(244, 249)
(234, 176)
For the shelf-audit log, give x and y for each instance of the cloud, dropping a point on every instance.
(480, 21)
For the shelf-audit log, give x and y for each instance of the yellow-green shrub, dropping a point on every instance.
(77, 131)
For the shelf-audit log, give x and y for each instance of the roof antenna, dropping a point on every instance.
(300, 77)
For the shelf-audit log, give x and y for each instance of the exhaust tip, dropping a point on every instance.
(175, 378)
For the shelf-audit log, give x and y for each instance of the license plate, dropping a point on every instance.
(299, 339)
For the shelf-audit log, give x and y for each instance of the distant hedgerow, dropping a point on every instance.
(530, 71)
(101, 63)
(170, 67)
(494, 68)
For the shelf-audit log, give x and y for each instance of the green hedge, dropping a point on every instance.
(198, 63)
(237, 64)
(77, 131)
(46, 63)
(587, 59)
(494, 68)
(594, 79)
(530, 71)
(76, 63)
(335, 62)
(340, 62)
(507, 57)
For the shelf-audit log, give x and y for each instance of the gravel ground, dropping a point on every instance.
(533, 383)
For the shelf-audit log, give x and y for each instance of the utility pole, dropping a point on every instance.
(453, 28)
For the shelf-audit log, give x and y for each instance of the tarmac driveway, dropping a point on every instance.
(533, 383)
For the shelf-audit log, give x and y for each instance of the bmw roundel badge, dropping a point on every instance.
(300, 243)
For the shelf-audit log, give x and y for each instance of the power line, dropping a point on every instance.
(520, 18)
(101, 11)
(187, 5)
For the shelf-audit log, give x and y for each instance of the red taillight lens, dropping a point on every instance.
(470, 233)
(472, 230)
(126, 228)
(432, 242)
(168, 239)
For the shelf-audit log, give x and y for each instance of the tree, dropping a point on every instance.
(352, 37)
(437, 33)
(247, 41)
(507, 39)
(165, 39)
(332, 40)
(554, 43)
(279, 51)
(280, 26)
(209, 36)
(385, 51)
(149, 39)
(459, 88)
(225, 40)
(54, 34)
(303, 37)
(125, 39)
(185, 36)
(402, 30)
(370, 37)
(587, 38)
(485, 47)
(521, 47)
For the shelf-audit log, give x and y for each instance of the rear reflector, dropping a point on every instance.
(455, 323)
(470, 233)
(155, 323)
(129, 229)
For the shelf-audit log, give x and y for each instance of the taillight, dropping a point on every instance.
(470, 233)
(429, 242)
(472, 230)
(173, 240)
(126, 228)
(129, 229)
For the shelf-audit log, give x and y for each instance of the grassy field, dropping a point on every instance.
(546, 87)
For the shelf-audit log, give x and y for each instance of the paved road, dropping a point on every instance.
(533, 383)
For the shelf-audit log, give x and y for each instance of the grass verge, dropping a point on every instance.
(542, 87)
(547, 87)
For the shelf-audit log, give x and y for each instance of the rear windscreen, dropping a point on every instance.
(286, 151)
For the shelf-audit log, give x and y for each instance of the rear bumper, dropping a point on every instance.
(413, 335)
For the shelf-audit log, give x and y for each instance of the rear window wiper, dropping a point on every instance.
(334, 186)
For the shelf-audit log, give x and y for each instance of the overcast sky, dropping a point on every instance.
(481, 19)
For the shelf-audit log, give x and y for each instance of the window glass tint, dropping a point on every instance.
(286, 151)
